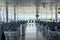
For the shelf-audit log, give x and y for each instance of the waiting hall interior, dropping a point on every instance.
(29, 19)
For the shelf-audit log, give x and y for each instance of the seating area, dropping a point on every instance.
(12, 24)
(50, 30)
(29, 19)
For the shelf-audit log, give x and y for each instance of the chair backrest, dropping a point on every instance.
(0, 34)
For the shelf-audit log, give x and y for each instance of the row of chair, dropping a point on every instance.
(12, 25)
(51, 30)
(51, 25)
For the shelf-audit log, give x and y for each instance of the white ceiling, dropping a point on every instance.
(31, 1)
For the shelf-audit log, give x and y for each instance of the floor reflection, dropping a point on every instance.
(31, 28)
(31, 33)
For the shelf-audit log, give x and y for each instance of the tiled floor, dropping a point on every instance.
(31, 33)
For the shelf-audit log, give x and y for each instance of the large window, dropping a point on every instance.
(25, 12)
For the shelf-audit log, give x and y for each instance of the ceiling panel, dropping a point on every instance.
(31, 1)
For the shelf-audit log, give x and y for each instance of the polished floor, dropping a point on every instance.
(32, 33)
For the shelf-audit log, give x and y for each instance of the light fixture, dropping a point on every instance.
(43, 4)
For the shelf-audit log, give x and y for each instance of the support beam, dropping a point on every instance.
(51, 10)
(46, 13)
(37, 12)
(56, 11)
(14, 12)
(0, 14)
(37, 7)
(6, 11)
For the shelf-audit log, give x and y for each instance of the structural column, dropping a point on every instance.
(0, 12)
(14, 12)
(56, 11)
(6, 11)
(37, 7)
(51, 10)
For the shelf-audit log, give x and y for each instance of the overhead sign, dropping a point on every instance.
(58, 8)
